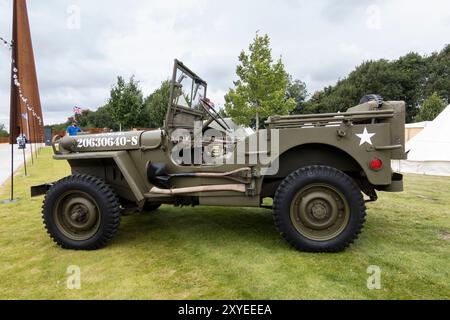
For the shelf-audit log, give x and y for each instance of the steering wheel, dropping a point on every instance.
(208, 106)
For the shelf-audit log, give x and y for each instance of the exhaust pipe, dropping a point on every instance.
(241, 188)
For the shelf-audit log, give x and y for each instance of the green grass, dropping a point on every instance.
(229, 253)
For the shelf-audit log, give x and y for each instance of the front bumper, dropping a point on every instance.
(40, 190)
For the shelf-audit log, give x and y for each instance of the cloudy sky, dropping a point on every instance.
(81, 45)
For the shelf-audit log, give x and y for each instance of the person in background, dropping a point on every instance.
(73, 130)
(22, 141)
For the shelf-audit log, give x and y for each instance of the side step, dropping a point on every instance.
(241, 188)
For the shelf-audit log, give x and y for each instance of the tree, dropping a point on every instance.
(223, 113)
(126, 103)
(411, 78)
(438, 74)
(432, 107)
(297, 91)
(3, 132)
(102, 119)
(156, 105)
(261, 89)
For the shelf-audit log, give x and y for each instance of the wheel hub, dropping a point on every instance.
(77, 216)
(319, 212)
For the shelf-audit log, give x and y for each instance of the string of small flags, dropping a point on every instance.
(18, 84)
(6, 43)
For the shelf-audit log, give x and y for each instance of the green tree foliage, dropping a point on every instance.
(411, 78)
(156, 105)
(438, 74)
(59, 126)
(152, 110)
(431, 108)
(101, 118)
(297, 91)
(261, 89)
(126, 104)
(223, 113)
(3, 132)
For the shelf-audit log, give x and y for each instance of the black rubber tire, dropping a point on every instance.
(108, 205)
(151, 207)
(312, 175)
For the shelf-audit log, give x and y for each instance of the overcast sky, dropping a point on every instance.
(81, 46)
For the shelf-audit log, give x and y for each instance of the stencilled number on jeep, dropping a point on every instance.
(106, 142)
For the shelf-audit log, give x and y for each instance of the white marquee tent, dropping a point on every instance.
(429, 151)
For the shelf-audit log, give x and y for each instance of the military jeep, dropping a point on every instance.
(319, 171)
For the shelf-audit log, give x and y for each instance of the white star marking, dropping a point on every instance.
(366, 137)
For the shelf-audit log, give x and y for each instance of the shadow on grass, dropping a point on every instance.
(200, 224)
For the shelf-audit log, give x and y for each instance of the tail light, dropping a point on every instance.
(376, 164)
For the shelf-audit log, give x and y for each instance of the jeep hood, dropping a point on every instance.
(116, 141)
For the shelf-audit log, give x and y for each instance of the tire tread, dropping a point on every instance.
(104, 191)
(320, 171)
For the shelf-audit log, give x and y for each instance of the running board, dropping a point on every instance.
(241, 188)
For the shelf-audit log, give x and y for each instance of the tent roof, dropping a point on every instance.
(419, 125)
(433, 143)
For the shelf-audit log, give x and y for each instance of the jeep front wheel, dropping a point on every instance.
(81, 212)
(319, 209)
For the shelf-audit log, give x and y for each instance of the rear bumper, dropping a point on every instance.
(396, 186)
(40, 190)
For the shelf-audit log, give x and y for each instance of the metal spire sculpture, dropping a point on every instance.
(26, 112)
(25, 109)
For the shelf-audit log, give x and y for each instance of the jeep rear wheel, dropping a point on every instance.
(319, 209)
(81, 212)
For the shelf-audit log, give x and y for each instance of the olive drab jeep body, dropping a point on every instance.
(315, 168)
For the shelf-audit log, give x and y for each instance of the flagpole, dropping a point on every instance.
(23, 150)
(41, 139)
(12, 122)
(30, 138)
(35, 137)
(12, 170)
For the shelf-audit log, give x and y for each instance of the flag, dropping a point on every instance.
(208, 101)
(77, 111)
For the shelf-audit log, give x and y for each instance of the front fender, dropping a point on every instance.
(123, 161)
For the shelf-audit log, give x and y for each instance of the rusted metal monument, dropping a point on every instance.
(25, 99)
(25, 109)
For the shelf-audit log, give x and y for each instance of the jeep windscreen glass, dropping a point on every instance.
(181, 78)
(199, 93)
(185, 88)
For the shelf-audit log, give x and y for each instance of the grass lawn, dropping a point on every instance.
(229, 253)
